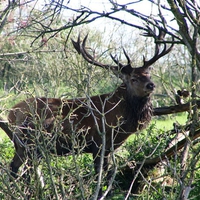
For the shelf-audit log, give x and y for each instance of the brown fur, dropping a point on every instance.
(66, 125)
(83, 116)
(60, 121)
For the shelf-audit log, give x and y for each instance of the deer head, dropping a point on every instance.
(137, 80)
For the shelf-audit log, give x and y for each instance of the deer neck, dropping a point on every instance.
(136, 111)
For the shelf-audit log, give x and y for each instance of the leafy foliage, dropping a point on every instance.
(37, 59)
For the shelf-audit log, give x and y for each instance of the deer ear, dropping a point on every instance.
(127, 69)
(117, 72)
(122, 72)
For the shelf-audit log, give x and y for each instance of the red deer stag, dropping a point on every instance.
(124, 111)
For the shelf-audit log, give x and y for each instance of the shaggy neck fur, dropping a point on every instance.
(137, 112)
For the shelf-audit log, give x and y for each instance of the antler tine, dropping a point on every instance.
(158, 38)
(161, 34)
(126, 69)
(116, 61)
(77, 44)
(150, 32)
(84, 50)
(127, 57)
(165, 50)
(81, 50)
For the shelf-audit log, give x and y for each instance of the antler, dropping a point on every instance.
(117, 61)
(158, 40)
(80, 48)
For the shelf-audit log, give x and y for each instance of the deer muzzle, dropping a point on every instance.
(150, 86)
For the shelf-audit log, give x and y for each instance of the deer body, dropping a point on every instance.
(70, 125)
(82, 116)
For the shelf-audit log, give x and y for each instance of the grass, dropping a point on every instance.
(59, 164)
(167, 123)
(163, 123)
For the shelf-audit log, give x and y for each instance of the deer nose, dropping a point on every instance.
(150, 86)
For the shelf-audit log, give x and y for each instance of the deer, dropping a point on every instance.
(85, 121)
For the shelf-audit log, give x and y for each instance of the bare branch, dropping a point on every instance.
(174, 109)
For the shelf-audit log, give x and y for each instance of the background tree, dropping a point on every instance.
(37, 59)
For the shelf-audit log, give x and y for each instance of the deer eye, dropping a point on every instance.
(134, 80)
